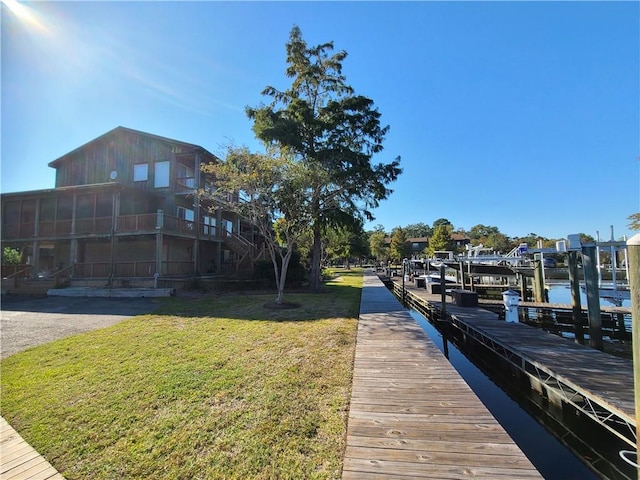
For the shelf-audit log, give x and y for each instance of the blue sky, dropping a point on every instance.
(520, 115)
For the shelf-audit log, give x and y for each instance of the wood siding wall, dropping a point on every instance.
(117, 152)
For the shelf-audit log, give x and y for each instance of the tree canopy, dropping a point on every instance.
(441, 239)
(400, 248)
(270, 191)
(321, 122)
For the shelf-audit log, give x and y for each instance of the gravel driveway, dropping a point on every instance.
(26, 322)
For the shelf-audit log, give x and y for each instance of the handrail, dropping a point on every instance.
(240, 238)
(15, 274)
(57, 273)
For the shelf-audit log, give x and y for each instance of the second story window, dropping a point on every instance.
(140, 172)
(185, 214)
(185, 176)
(161, 177)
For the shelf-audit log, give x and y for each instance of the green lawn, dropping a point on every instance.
(215, 387)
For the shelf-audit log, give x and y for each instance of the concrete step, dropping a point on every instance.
(111, 292)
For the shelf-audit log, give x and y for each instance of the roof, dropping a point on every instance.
(120, 129)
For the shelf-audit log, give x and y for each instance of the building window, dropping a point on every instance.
(209, 187)
(227, 226)
(185, 177)
(209, 225)
(185, 214)
(140, 172)
(161, 178)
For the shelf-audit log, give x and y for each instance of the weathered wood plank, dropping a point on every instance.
(19, 461)
(412, 415)
(602, 377)
(355, 468)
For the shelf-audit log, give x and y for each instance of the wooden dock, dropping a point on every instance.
(597, 384)
(412, 415)
(19, 461)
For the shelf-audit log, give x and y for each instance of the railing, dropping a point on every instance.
(92, 270)
(238, 238)
(136, 223)
(147, 222)
(58, 228)
(122, 269)
(62, 277)
(98, 225)
(135, 269)
(186, 183)
(178, 225)
(177, 268)
(16, 271)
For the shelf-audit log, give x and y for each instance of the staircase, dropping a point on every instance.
(246, 251)
(27, 286)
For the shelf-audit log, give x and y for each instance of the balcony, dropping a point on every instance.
(185, 184)
(143, 224)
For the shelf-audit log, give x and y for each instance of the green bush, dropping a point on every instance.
(296, 273)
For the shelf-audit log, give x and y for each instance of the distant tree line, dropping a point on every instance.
(395, 245)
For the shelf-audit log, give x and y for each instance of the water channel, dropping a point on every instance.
(557, 452)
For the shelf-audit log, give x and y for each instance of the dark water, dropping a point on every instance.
(552, 459)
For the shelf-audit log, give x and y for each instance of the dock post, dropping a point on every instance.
(593, 295)
(538, 279)
(574, 280)
(633, 250)
(443, 293)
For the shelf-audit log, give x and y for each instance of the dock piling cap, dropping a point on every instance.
(634, 241)
(511, 298)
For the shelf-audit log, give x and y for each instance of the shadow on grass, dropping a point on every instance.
(333, 301)
(127, 307)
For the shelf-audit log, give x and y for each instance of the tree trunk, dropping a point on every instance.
(316, 254)
(283, 275)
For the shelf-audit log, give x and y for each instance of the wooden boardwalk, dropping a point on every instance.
(412, 415)
(19, 461)
(599, 384)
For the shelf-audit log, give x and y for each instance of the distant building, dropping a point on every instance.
(460, 239)
(124, 205)
(419, 244)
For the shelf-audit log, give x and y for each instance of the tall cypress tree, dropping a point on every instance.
(322, 122)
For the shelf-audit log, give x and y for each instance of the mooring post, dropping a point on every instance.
(404, 294)
(574, 280)
(443, 294)
(538, 278)
(590, 272)
(633, 249)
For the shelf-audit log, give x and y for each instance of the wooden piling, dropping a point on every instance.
(574, 280)
(589, 269)
(538, 279)
(633, 252)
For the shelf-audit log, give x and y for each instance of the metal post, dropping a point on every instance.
(633, 251)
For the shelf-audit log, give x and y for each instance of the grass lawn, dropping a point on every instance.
(207, 388)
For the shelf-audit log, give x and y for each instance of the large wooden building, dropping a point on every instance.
(125, 206)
